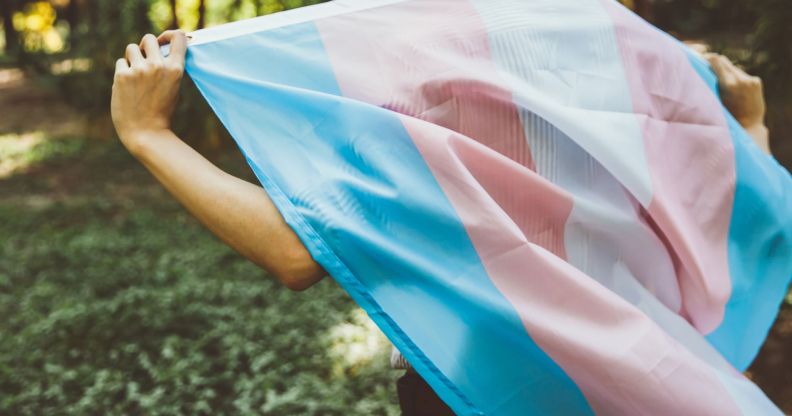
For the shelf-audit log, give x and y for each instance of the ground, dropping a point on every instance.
(115, 298)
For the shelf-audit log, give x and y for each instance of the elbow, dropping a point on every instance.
(298, 271)
(296, 283)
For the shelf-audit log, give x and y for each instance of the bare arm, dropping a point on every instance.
(241, 214)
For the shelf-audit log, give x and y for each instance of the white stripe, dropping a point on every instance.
(750, 399)
(284, 18)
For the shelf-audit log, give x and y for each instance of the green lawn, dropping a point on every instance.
(115, 301)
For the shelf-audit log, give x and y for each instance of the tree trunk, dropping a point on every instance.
(174, 18)
(11, 36)
(142, 21)
(72, 14)
(201, 14)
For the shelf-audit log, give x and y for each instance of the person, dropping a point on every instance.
(145, 92)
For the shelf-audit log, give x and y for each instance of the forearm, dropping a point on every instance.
(238, 212)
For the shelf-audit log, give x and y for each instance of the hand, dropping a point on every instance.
(741, 93)
(146, 88)
(743, 96)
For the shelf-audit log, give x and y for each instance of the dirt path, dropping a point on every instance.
(26, 108)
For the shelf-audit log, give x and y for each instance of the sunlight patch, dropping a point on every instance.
(67, 66)
(21, 151)
(355, 343)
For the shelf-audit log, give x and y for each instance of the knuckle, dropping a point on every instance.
(175, 69)
(171, 76)
(145, 68)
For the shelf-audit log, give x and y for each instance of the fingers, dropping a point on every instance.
(150, 46)
(698, 47)
(728, 69)
(728, 73)
(178, 44)
(740, 73)
(153, 63)
(122, 66)
(757, 81)
(737, 71)
(134, 56)
(714, 60)
(723, 68)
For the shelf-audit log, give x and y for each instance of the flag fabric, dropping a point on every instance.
(543, 204)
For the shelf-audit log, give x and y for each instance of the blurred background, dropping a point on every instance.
(114, 300)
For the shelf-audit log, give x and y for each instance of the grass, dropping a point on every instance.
(116, 301)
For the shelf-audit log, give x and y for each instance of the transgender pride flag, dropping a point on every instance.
(542, 203)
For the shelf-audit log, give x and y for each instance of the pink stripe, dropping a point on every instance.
(691, 160)
(426, 82)
(619, 358)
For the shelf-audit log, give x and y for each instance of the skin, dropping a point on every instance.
(145, 92)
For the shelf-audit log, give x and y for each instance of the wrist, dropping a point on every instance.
(140, 142)
(750, 122)
(760, 135)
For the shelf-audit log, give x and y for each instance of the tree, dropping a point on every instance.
(174, 16)
(774, 50)
(201, 14)
(9, 7)
(72, 17)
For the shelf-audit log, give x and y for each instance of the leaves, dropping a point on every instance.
(115, 301)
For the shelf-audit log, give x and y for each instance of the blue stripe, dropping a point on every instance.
(760, 242)
(348, 179)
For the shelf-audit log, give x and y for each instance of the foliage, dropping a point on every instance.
(701, 17)
(100, 34)
(773, 57)
(755, 33)
(20, 151)
(115, 301)
(97, 32)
